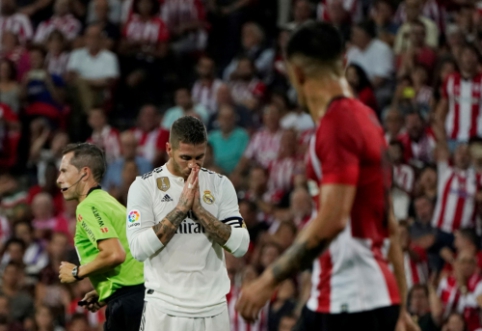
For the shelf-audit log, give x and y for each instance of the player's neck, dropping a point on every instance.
(320, 92)
(170, 167)
(84, 191)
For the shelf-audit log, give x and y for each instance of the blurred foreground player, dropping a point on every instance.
(100, 241)
(352, 285)
(181, 218)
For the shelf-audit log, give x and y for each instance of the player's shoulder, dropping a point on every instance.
(148, 179)
(213, 178)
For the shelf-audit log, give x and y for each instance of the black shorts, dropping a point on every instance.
(124, 309)
(381, 319)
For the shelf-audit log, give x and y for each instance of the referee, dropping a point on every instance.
(100, 241)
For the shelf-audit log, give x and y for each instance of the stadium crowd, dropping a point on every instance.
(118, 73)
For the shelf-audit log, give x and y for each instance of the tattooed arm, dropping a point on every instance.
(312, 240)
(219, 231)
(167, 227)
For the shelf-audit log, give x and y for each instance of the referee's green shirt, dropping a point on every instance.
(100, 216)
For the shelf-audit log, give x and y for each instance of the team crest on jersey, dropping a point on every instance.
(208, 198)
(163, 183)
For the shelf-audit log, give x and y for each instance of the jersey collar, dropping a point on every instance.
(93, 189)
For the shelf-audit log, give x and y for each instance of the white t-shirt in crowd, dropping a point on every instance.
(103, 65)
(377, 59)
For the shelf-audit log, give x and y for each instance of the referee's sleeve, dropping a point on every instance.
(238, 242)
(143, 241)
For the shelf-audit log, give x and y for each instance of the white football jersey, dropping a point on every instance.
(188, 276)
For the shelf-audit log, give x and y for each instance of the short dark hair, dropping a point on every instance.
(416, 287)
(470, 235)
(316, 40)
(398, 143)
(368, 27)
(188, 130)
(87, 155)
(13, 241)
(473, 48)
(38, 49)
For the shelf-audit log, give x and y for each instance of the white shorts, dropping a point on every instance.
(155, 320)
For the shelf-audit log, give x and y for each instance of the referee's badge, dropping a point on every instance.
(163, 183)
(208, 198)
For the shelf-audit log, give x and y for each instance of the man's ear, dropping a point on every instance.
(169, 149)
(299, 75)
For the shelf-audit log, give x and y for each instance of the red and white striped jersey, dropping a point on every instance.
(149, 143)
(404, 177)
(178, 12)
(282, 172)
(206, 95)
(19, 24)
(108, 140)
(353, 275)
(237, 323)
(67, 24)
(430, 9)
(421, 150)
(454, 301)
(416, 270)
(57, 64)
(263, 147)
(153, 31)
(464, 118)
(242, 91)
(456, 205)
(353, 7)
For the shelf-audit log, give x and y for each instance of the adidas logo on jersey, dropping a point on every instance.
(166, 198)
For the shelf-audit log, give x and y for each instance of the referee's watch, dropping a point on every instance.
(75, 273)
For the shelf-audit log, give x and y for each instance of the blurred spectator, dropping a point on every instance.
(297, 120)
(44, 222)
(420, 309)
(92, 70)
(361, 86)
(35, 257)
(283, 304)
(111, 9)
(13, 253)
(421, 230)
(14, 21)
(459, 106)
(186, 21)
(129, 174)
(427, 183)
(103, 135)
(102, 10)
(418, 141)
(43, 92)
(229, 142)
(413, 9)
(41, 157)
(128, 147)
(414, 257)
(20, 303)
(393, 124)
(12, 50)
(455, 40)
(383, 16)
(257, 192)
(302, 12)
(284, 168)
(287, 322)
(78, 322)
(455, 322)
(9, 87)
(57, 56)
(13, 203)
(4, 232)
(374, 57)
(205, 89)
(184, 106)
(352, 8)
(464, 18)
(62, 20)
(264, 145)
(417, 52)
(151, 137)
(50, 187)
(9, 137)
(244, 118)
(44, 319)
(248, 210)
(465, 240)
(339, 16)
(403, 180)
(246, 89)
(429, 8)
(462, 291)
(254, 49)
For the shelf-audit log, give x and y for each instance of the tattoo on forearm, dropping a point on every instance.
(167, 227)
(298, 257)
(219, 231)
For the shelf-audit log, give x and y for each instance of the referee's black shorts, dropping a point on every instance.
(124, 309)
(381, 319)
